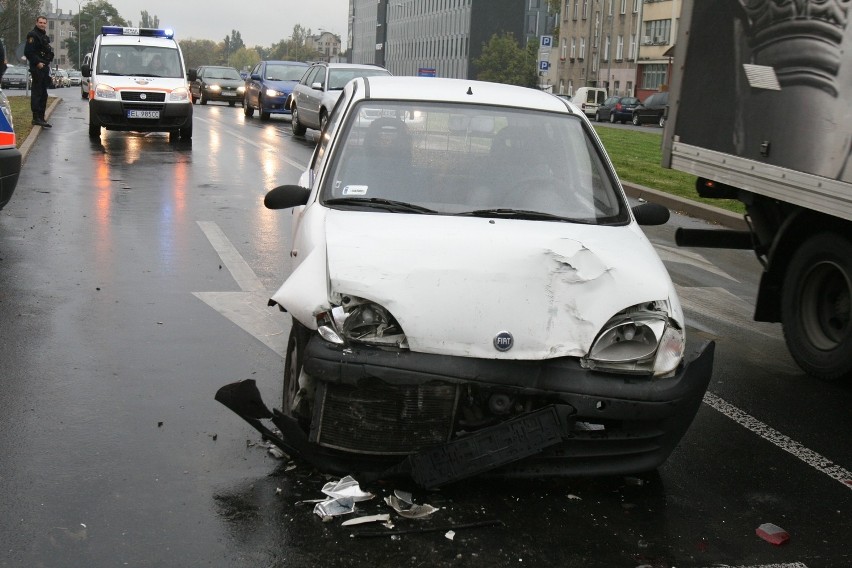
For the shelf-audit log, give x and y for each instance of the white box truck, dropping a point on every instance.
(760, 111)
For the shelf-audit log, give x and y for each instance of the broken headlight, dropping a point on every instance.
(640, 339)
(357, 320)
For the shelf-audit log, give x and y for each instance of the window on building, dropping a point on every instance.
(609, 11)
(635, 6)
(657, 31)
(631, 49)
(629, 91)
(563, 48)
(573, 47)
(606, 48)
(653, 75)
(576, 8)
(623, 6)
(582, 48)
(585, 9)
(616, 86)
(619, 47)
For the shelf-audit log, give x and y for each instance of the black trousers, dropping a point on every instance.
(38, 99)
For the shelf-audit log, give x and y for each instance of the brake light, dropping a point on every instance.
(617, 106)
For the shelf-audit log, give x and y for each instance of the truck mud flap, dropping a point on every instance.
(489, 448)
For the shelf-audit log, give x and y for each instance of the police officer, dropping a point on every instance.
(39, 53)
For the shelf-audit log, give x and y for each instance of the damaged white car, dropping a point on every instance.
(472, 293)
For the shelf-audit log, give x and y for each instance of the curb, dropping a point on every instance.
(695, 209)
(36, 130)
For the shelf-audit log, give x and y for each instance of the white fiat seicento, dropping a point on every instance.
(473, 294)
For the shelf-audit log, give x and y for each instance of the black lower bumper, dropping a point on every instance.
(10, 169)
(112, 115)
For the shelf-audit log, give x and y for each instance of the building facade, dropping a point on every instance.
(59, 28)
(326, 44)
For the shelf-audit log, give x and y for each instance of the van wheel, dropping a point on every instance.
(296, 124)
(264, 115)
(203, 99)
(186, 132)
(94, 126)
(247, 110)
(636, 120)
(612, 118)
(662, 121)
(598, 116)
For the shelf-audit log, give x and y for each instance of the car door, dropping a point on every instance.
(309, 104)
(254, 84)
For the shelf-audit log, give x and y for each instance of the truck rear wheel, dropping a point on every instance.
(816, 306)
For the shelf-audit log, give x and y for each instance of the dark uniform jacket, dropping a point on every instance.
(37, 49)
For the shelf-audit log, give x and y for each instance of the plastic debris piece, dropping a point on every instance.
(334, 507)
(772, 533)
(276, 452)
(450, 534)
(407, 509)
(346, 487)
(368, 519)
(637, 481)
(574, 497)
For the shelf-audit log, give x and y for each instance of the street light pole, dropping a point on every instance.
(79, 42)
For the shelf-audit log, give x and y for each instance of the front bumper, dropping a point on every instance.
(112, 115)
(439, 419)
(224, 95)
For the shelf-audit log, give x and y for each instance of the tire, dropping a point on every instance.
(186, 132)
(247, 110)
(612, 118)
(815, 306)
(94, 126)
(323, 121)
(662, 121)
(84, 95)
(597, 116)
(636, 121)
(296, 124)
(203, 99)
(232, 103)
(263, 114)
(296, 344)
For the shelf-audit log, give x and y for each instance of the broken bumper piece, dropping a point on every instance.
(441, 419)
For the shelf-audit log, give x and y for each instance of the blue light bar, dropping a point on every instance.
(147, 32)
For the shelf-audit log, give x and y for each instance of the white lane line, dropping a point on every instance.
(231, 258)
(785, 565)
(720, 305)
(299, 166)
(683, 256)
(810, 457)
(249, 310)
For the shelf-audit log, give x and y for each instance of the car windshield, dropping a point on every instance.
(452, 159)
(223, 73)
(16, 71)
(139, 60)
(337, 78)
(284, 72)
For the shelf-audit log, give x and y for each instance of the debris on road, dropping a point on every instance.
(383, 518)
(342, 496)
(772, 533)
(402, 503)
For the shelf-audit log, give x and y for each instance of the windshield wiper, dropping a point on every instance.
(519, 214)
(388, 204)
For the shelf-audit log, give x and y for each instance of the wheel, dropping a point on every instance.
(203, 99)
(636, 120)
(94, 125)
(186, 132)
(815, 306)
(612, 118)
(263, 114)
(291, 405)
(323, 121)
(598, 116)
(296, 124)
(247, 110)
(84, 95)
(192, 98)
(232, 103)
(662, 121)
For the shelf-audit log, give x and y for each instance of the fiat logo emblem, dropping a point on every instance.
(503, 341)
(143, 96)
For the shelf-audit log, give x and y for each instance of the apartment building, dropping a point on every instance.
(660, 19)
(59, 28)
(326, 44)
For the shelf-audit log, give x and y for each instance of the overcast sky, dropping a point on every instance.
(260, 22)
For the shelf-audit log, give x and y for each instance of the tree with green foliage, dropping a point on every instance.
(11, 35)
(92, 17)
(244, 59)
(504, 61)
(149, 21)
(198, 52)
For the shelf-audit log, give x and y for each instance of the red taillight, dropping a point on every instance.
(617, 106)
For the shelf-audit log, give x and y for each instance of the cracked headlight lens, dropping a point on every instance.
(641, 340)
(358, 320)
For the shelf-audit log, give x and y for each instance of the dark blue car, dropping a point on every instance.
(617, 109)
(269, 85)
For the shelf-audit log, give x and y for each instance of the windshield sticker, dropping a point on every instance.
(355, 190)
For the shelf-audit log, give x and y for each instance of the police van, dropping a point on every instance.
(137, 82)
(10, 156)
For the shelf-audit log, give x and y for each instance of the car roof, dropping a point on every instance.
(284, 62)
(459, 91)
(349, 65)
(135, 40)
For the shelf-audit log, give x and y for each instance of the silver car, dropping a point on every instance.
(316, 94)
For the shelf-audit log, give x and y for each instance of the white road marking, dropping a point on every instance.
(684, 256)
(278, 156)
(785, 565)
(231, 258)
(810, 457)
(721, 305)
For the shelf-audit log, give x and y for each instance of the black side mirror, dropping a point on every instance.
(649, 214)
(86, 70)
(192, 74)
(286, 196)
(255, 77)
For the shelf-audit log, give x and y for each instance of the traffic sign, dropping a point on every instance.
(546, 41)
(543, 65)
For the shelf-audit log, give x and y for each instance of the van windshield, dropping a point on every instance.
(139, 61)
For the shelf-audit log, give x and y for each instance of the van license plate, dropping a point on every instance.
(229, 94)
(143, 114)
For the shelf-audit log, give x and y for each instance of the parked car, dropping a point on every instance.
(10, 156)
(470, 291)
(589, 99)
(316, 94)
(16, 77)
(269, 85)
(214, 83)
(617, 109)
(652, 110)
(75, 78)
(60, 78)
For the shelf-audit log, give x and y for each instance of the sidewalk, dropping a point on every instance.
(676, 204)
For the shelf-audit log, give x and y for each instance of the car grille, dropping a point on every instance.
(137, 96)
(379, 418)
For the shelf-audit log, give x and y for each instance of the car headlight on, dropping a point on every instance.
(105, 92)
(180, 94)
(358, 320)
(639, 340)
(274, 93)
(241, 90)
(214, 88)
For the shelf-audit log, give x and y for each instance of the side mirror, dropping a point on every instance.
(255, 77)
(192, 74)
(316, 86)
(86, 70)
(649, 214)
(286, 196)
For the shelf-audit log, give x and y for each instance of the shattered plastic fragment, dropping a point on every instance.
(369, 519)
(574, 497)
(450, 535)
(406, 508)
(277, 453)
(772, 533)
(346, 487)
(335, 507)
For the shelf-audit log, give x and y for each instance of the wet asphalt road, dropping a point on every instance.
(133, 282)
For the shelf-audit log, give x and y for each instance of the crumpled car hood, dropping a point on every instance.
(454, 283)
